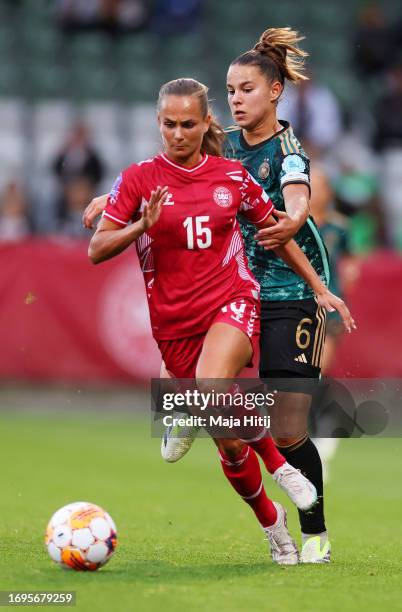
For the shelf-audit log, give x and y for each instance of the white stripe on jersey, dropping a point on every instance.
(235, 245)
(243, 270)
(250, 176)
(235, 178)
(106, 214)
(143, 242)
(147, 261)
(266, 215)
(145, 253)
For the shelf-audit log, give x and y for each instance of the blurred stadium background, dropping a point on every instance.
(78, 84)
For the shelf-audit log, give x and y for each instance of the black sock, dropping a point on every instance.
(306, 459)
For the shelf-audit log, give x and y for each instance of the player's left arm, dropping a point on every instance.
(258, 209)
(296, 197)
(294, 257)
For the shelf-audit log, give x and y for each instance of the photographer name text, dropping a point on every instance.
(230, 422)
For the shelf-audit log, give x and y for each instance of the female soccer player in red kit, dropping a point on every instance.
(206, 328)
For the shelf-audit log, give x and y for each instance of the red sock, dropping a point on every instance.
(258, 437)
(268, 452)
(244, 474)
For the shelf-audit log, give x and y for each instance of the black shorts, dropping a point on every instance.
(292, 338)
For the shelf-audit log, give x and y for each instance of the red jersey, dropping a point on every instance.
(193, 258)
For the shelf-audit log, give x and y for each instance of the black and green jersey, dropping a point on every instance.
(274, 163)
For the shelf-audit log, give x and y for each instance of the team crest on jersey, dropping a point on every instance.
(264, 170)
(115, 191)
(223, 197)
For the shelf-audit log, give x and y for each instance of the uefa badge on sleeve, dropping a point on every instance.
(293, 163)
(115, 191)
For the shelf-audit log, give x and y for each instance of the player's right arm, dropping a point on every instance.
(107, 242)
(114, 234)
(294, 179)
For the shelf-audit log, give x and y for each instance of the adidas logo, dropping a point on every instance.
(301, 358)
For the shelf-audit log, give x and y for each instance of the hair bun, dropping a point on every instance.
(262, 46)
(268, 47)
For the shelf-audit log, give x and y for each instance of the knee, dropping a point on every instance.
(286, 442)
(230, 448)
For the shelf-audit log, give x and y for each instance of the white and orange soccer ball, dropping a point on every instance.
(81, 536)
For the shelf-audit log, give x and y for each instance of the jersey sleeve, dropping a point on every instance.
(125, 197)
(295, 169)
(255, 204)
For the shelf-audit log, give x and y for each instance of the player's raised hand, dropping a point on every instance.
(332, 303)
(93, 210)
(152, 210)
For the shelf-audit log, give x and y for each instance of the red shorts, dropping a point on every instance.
(181, 356)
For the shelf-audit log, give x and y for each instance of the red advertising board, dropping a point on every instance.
(63, 319)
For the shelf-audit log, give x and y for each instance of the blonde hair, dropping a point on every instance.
(277, 55)
(214, 137)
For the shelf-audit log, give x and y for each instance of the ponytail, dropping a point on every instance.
(212, 143)
(277, 55)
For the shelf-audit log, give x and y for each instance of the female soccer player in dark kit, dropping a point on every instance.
(188, 229)
(292, 322)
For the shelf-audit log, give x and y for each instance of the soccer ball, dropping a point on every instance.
(81, 536)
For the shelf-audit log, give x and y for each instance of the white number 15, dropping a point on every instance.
(203, 234)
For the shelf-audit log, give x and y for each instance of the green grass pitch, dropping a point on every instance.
(186, 542)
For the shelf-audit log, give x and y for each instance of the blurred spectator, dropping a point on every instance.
(373, 41)
(77, 195)
(79, 170)
(14, 222)
(109, 15)
(354, 169)
(388, 141)
(343, 268)
(313, 112)
(388, 112)
(173, 16)
(77, 14)
(355, 176)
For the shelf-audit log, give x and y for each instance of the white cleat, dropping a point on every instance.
(177, 441)
(283, 547)
(316, 548)
(301, 491)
